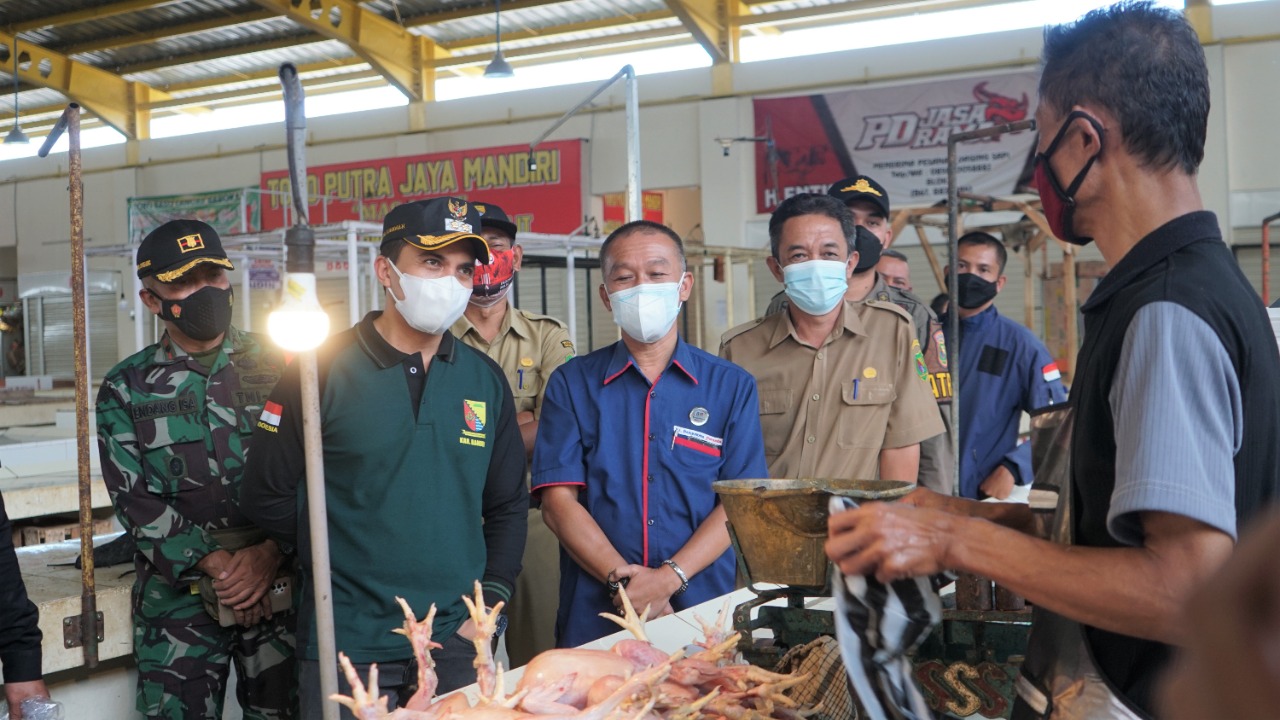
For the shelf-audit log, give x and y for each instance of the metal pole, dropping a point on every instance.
(953, 307)
(634, 209)
(70, 122)
(353, 278)
(1266, 257)
(300, 242)
(635, 206)
(246, 290)
(571, 290)
(375, 289)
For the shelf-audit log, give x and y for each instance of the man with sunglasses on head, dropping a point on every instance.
(174, 426)
(1175, 427)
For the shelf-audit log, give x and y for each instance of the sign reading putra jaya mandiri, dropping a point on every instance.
(543, 197)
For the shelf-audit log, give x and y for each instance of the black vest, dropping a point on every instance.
(1186, 262)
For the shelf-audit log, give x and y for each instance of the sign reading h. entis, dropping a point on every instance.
(544, 195)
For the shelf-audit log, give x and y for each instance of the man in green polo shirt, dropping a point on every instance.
(424, 467)
(529, 347)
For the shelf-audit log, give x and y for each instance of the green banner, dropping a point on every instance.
(230, 212)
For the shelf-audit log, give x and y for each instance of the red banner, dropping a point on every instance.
(898, 135)
(615, 209)
(545, 198)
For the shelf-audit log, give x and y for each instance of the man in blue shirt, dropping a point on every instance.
(1004, 371)
(632, 438)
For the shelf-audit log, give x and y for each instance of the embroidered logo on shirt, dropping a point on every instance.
(941, 342)
(1051, 372)
(921, 369)
(474, 417)
(270, 419)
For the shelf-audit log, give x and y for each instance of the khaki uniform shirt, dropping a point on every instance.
(528, 348)
(826, 412)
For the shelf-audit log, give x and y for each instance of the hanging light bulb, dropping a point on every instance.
(16, 136)
(498, 67)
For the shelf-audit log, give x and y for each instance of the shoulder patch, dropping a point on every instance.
(534, 317)
(892, 307)
(734, 332)
(921, 369)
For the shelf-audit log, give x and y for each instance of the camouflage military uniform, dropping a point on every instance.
(172, 438)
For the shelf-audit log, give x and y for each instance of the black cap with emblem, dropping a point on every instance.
(861, 187)
(495, 217)
(174, 248)
(435, 223)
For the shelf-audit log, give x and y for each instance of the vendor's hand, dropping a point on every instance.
(648, 587)
(998, 484)
(467, 630)
(16, 692)
(890, 541)
(244, 581)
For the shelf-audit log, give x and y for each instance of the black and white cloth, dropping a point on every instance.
(878, 627)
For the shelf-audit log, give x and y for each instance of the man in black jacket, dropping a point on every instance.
(19, 630)
(1175, 428)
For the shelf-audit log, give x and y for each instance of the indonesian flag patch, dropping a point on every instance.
(270, 420)
(1049, 371)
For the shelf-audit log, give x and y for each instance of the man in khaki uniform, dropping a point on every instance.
(528, 347)
(843, 386)
(868, 202)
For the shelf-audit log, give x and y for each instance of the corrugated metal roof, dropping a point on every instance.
(198, 47)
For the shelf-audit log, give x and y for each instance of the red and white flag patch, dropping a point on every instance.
(1050, 372)
(271, 416)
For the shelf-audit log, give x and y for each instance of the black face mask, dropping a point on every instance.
(973, 291)
(203, 315)
(868, 247)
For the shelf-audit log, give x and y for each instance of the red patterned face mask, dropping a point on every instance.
(491, 281)
(1058, 203)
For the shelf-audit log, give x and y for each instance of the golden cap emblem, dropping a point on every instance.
(190, 242)
(862, 186)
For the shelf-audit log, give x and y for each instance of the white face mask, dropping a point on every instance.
(430, 305)
(647, 311)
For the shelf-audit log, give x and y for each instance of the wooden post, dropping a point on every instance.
(933, 259)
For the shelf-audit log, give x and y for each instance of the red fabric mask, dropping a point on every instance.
(1059, 204)
(491, 281)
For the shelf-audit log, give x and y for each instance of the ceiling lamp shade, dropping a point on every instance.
(498, 67)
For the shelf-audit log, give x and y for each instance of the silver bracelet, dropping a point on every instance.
(684, 579)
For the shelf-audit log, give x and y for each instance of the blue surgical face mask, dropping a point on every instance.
(816, 286)
(646, 311)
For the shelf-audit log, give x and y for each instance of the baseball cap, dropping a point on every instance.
(495, 217)
(171, 250)
(861, 187)
(435, 223)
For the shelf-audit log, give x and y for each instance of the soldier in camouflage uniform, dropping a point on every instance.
(174, 421)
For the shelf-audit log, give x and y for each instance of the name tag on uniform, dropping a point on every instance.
(696, 440)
